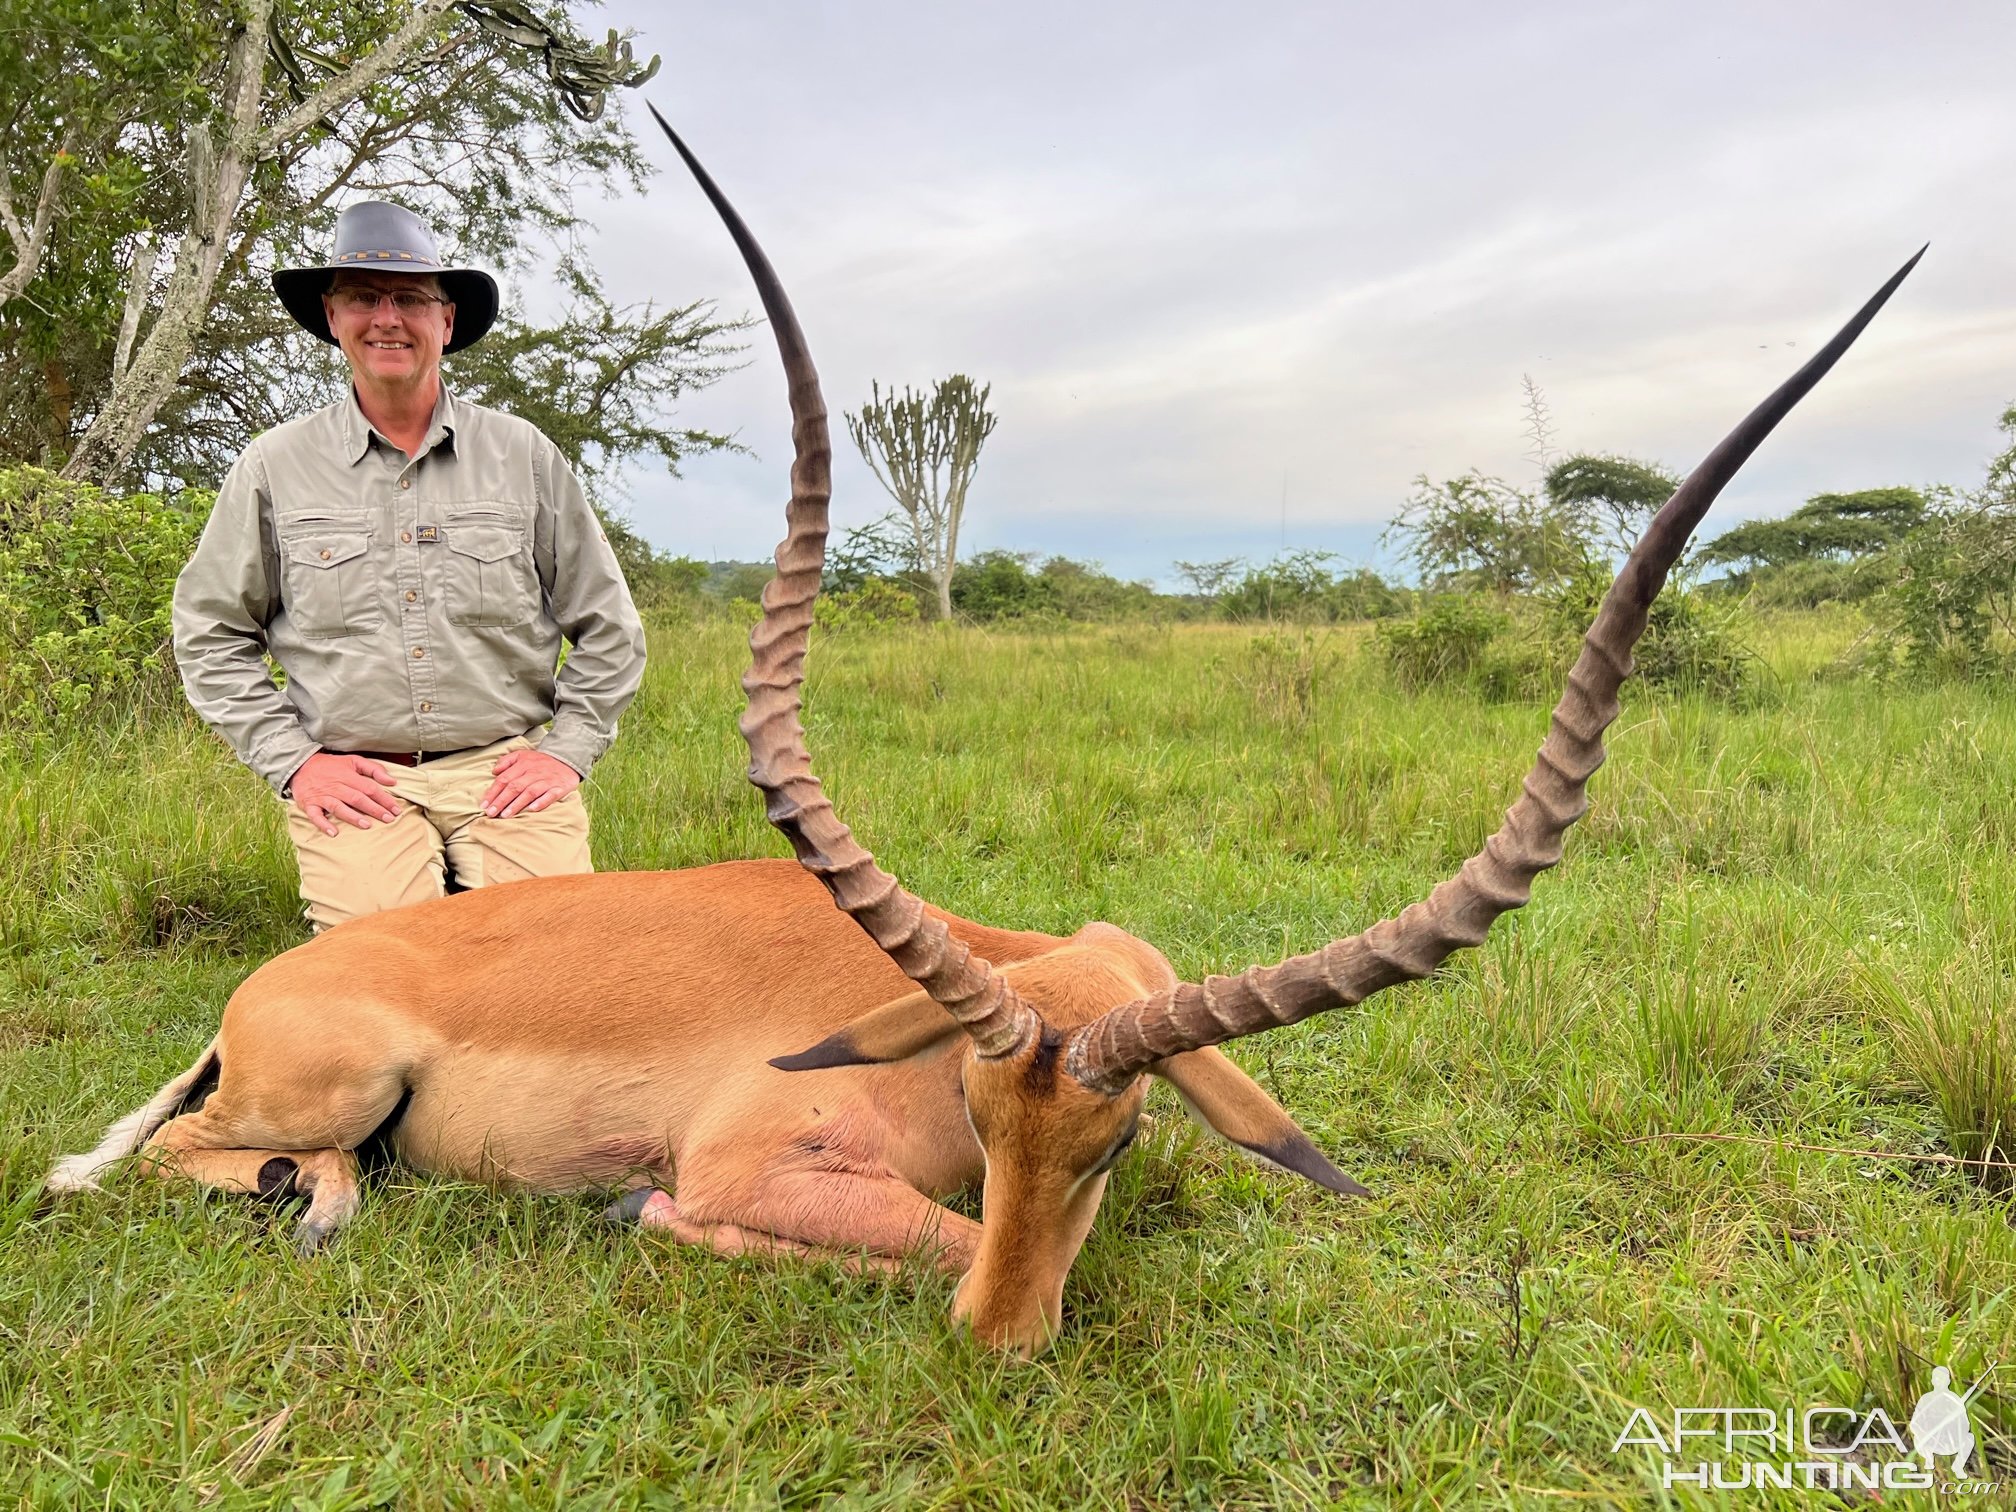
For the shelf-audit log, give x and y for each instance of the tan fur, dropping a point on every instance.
(615, 1030)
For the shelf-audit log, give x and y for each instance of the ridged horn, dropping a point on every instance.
(779, 765)
(1109, 1052)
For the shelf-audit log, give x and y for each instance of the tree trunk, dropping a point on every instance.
(114, 435)
(56, 384)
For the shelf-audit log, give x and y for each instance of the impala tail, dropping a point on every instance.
(79, 1173)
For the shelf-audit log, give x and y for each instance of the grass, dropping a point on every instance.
(1791, 922)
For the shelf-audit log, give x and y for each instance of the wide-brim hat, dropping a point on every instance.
(375, 236)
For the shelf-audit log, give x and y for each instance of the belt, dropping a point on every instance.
(409, 758)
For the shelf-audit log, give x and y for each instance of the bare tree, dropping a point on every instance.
(924, 451)
(1209, 579)
(1540, 446)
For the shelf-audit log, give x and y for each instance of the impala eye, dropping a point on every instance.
(1118, 1148)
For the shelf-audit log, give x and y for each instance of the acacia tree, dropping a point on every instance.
(1611, 499)
(1829, 527)
(458, 108)
(924, 451)
(1479, 532)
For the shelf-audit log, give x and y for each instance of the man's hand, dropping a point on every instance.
(528, 781)
(330, 786)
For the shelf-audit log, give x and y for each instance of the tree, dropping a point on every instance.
(1539, 426)
(924, 451)
(1299, 585)
(1829, 527)
(74, 76)
(1209, 579)
(237, 134)
(1479, 532)
(1612, 499)
(882, 550)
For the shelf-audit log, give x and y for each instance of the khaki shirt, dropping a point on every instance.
(414, 604)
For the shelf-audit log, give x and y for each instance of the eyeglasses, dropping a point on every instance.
(361, 301)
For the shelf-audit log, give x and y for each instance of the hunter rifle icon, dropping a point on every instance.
(1939, 1422)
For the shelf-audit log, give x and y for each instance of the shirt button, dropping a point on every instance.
(404, 535)
(426, 708)
(418, 652)
(325, 553)
(405, 482)
(411, 595)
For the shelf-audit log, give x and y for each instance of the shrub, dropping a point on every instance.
(1298, 586)
(1446, 642)
(1507, 648)
(1954, 589)
(877, 604)
(86, 579)
(1001, 585)
(998, 585)
(1690, 645)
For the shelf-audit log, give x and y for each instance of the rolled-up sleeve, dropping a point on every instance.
(588, 599)
(224, 599)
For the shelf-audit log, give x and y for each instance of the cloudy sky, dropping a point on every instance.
(1215, 258)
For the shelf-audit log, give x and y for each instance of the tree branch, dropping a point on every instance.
(29, 245)
(141, 282)
(354, 80)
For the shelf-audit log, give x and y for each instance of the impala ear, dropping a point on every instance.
(1218, 1093)
(895, 1031)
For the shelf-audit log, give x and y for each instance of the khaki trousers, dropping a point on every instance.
(441, 831)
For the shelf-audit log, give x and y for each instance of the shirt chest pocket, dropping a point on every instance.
(329, 587)
(489, 571)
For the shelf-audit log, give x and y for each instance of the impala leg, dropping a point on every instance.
(873, 1221)
(653, 1208)
(209, 1147)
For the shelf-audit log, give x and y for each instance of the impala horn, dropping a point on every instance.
(1109, 1052)
(999, 1022)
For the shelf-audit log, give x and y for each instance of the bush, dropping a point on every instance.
(877, 604)
(1689, 646)
(1807, 585)
(86, 579)
(1000, 585)
(1954, 589)
(1508, 648)
(1446, 642)
(1298, 586)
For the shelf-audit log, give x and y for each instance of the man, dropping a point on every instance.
(412, 561)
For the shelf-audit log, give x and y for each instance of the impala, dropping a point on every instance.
(753, 1068)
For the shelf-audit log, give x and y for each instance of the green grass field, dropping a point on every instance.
(1794, 922)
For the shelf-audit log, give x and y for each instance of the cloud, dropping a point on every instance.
(1202, 256)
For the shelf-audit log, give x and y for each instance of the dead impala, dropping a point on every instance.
(651, 1030)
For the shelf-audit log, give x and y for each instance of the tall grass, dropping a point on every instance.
(1786, 924)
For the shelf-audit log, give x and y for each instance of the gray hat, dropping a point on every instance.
(373, 234)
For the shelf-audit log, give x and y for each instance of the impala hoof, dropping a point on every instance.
(310, 1239)
(629, 1208)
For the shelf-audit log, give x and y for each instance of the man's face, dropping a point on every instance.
(389, 347)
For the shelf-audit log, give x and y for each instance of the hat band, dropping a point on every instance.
(344, 257)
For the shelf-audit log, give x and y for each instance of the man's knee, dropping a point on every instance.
(550, 843)
(356, 872)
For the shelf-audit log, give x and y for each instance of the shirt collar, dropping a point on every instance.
(358, 431)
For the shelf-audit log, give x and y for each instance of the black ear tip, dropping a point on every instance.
(837, 1051)
(1303, 1158)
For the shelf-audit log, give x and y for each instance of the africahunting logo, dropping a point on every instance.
(1819, 1447)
